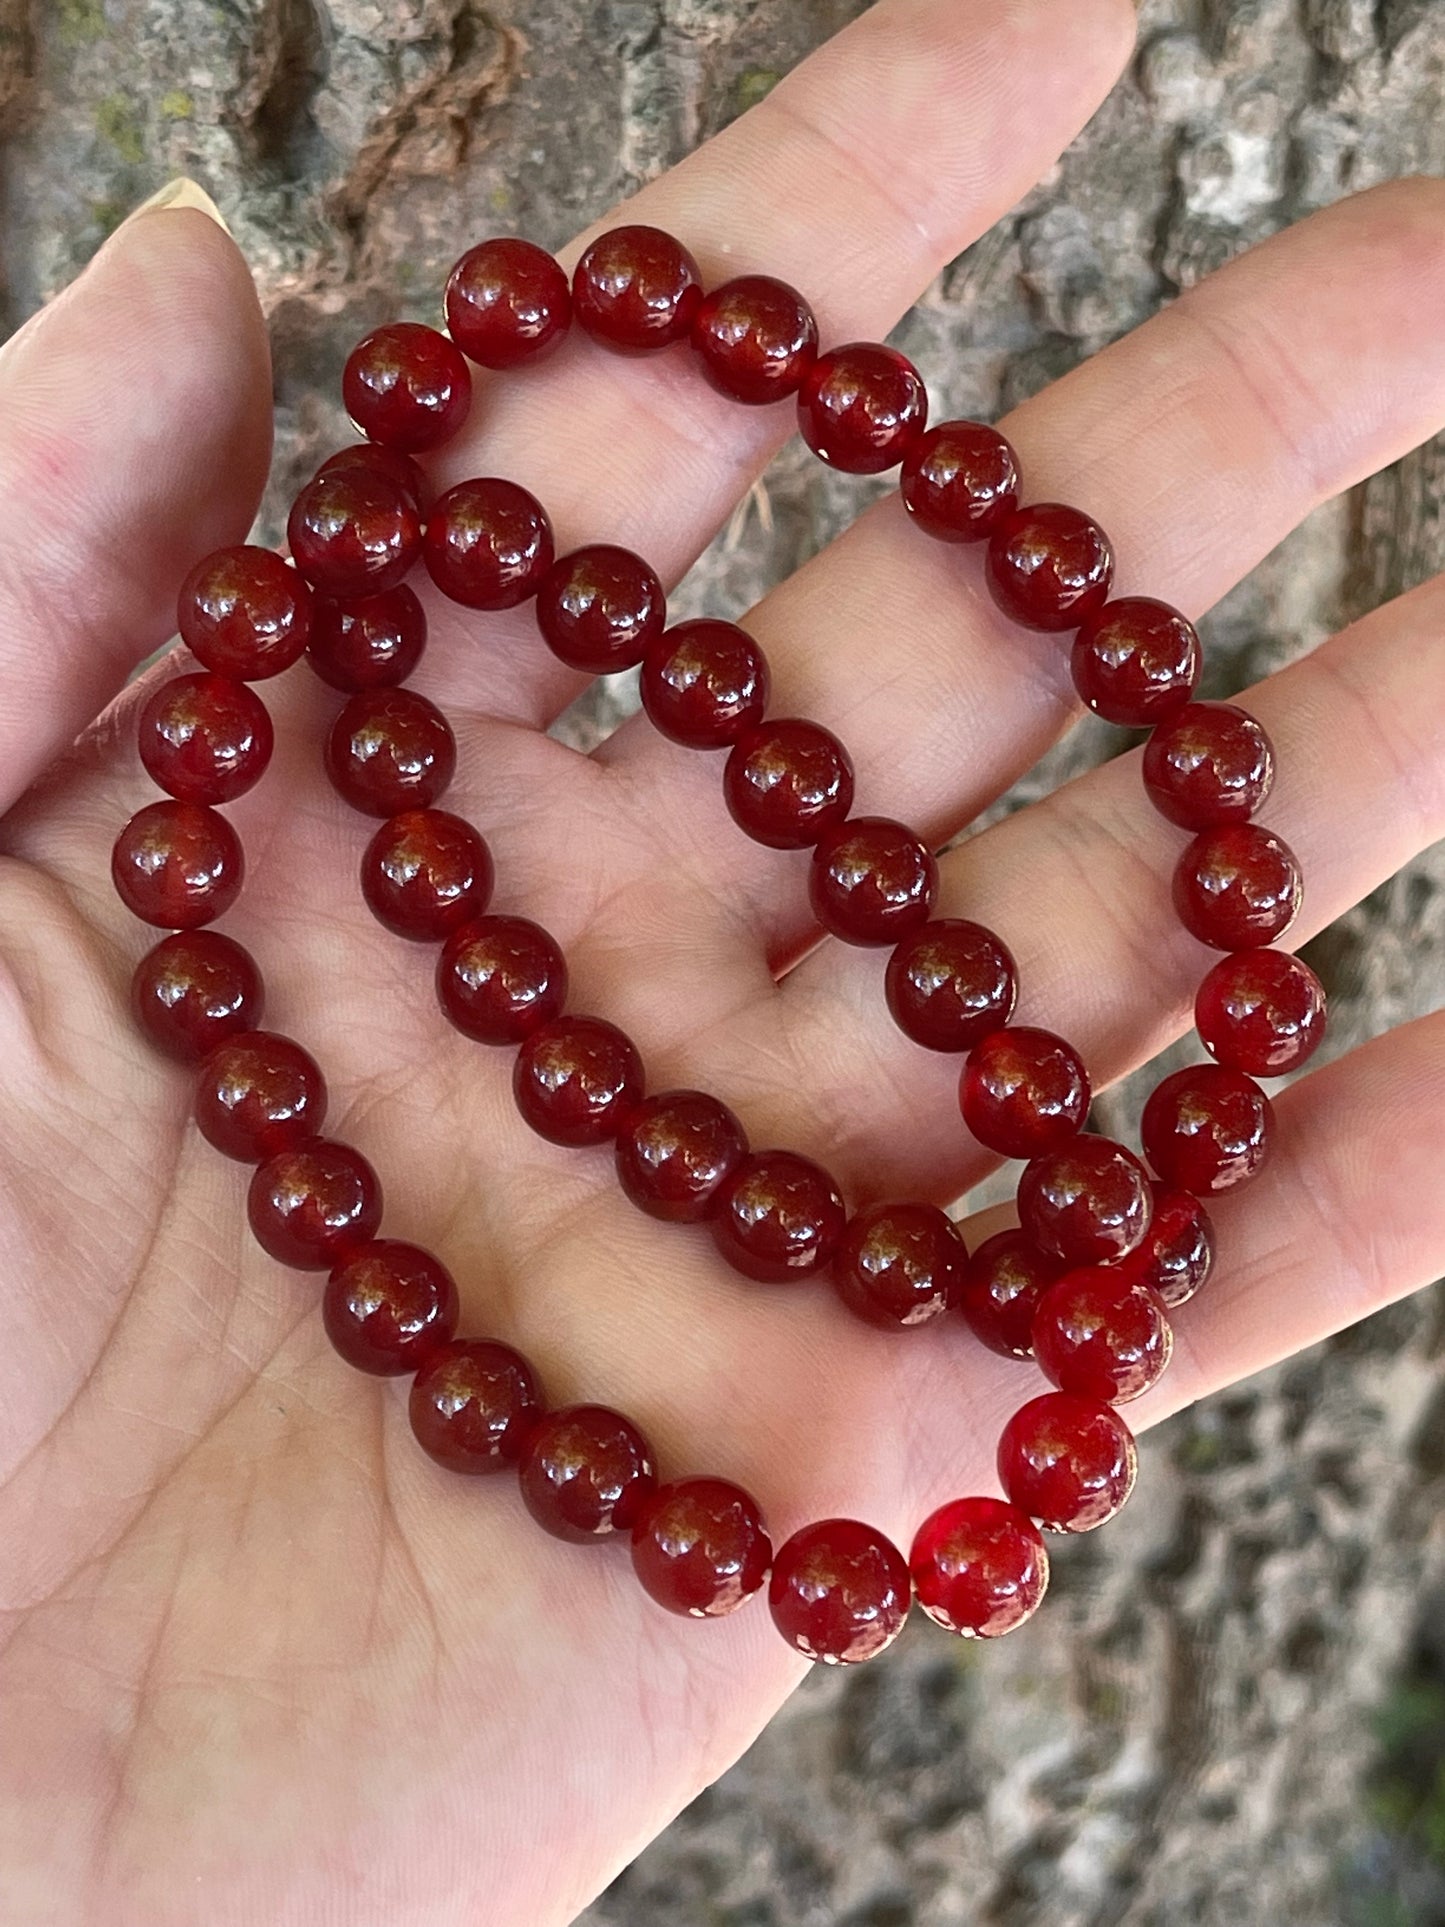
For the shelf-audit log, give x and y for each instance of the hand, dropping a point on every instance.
(253, 1644)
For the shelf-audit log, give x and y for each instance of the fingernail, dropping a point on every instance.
(181, 192)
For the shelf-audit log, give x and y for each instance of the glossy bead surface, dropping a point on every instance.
(839, 1592)
(1238, 887)
(1136, 661)
(500, 978)
(872, 881)
(473, 1405)
(373, 643)
(205, 739)
(257, 1093)
(194, 989)
(1261, 1011)
(600, 609)
(787, 783)
(980, 1567)
(1068, 1462)
(388, 1306)
(705, 684)
(636, 289)
(390, 750)
(576, 1080)
(951, 984)
(586, 1471)
(1024, 1092)
(778, 1218)
(899, 1264)
(1001, 1289)
(488, 544)
(1050, 566)
(675, 1153)
(244, 612)
(1087, 1203)
(862, 407)
(425, 873)
(1178, 1254)
(354, 532)
(699, 1547)
(406, 386)
(177, 865)
(388, 462)
(756, 338)
(1102, 1334)
(507, 302)
(312, 1204)
(960, 481)
(1206, 1129)
(1210, 764)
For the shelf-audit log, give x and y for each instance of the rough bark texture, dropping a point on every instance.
(1183, 1735)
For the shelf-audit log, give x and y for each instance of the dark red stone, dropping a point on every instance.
(374, 643)
(1261, 1011)
(388, 1306)
(1136, 662)
(1050, 566)
(244, 612)
(354, 532)
(473, 1405)
(600, 609)
(862, 407)
(586, 1471)
(312, 1204)
(778, 1218)
(705, 684)
(1068, 1462)
(1178, 1254)
(193, 989)
(1209, 764)
(507, 302)
(1087, 1203)
(839, 1592)
(1102, 1334)
(899, 1264)
(960, 481)
(488, 544)
(425, 873)
(636, 289)
(675, 1153)
(872, 880)
(177, 865)
(699, 1547)
(951, 984)
(1024, 1092)
(406, 386)
(501, 978)
(401, 469)
(1238, 887)
(756, 338)
(390, 750)
(980, 1567)
(257, 1093)
(205, 739)
(787, 783)
(576, 1080)
(1001, 1289)
(1207, 1129)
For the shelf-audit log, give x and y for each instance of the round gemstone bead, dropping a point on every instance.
(705, 684)
(1050, 566)
(586, 1471)
(980, 1567)
(501, 978)
(354, 532)
(862, 407)
(756, 338)
(699, 1547)
(1261, 1011)
(1238, 887)
(576, 1080)
(390, 750)
(193, 989)
(473, 1405)
(1207, 1129)
(1210, 764)
(636, 289)
(205, 739)
(675, 1153)
(374, 643)
(425, 873)
(1024, 1092)
(244, 612)
(390, 463)
(1102, 1334)
(951, 984)
(840, 1592)
(899, 1264)
(1136, 662)
(312, 1204)
(406, 386)
(787, 783)
(1068, 1462)
(177, 865)
(488, 544)
(1086, 1203)
(872, 880)
(1001, 1289)
(600, 609)
(778, 1218)
(1178, 1254)
(960, 481)
(507, 301)
(388, 1306)
(258, 1093)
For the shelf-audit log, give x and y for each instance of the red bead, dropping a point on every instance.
(258, 1093)
(705, 684)
(1136, 661)
(960, 481)
(1001, 1289)
(1024, 1092)
(1178, 1254)
(390, 750)
(756, 338)
(872, 880)
(787, 783)
(1261, 1011)
(1050, 566)
(389, 1306)
(1210, 764)
(1101, 1333)
(778, 1218)
(951, 984)
(699, 1547)
(862, 407)
(1068, 1462)
(371, 644)
(244, 612)
(675, 1153)
(488, 544)
(636, 289)
(473, 1405)
(507, 302)
(193, 989)
(312, 1204)
(387, 462)
(586, 1471)
(980, 1567)
(425, 873)
(178, 865)
(354, 532)
(500, 978)
(1238, 887)
(407, 387)
(1206, 1129)
(600, 609)
(205, 738)
(899, 1264)
(840, 1592)
(576, 1080)
(1086, 1203)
